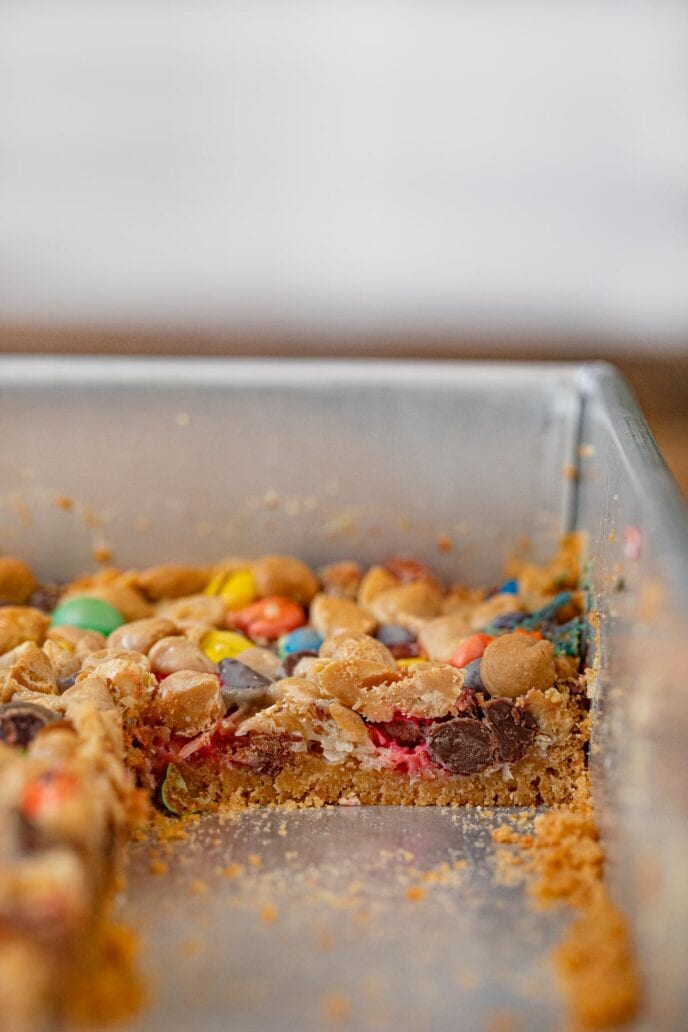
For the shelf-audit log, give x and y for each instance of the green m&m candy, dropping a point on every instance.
(91, 614)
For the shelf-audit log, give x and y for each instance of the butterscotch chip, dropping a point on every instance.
(158, 582)
(514, 663)
(19, 624)
(284, 575)
(17, 581)
(330, 615)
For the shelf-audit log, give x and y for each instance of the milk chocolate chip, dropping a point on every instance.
(514, 729)
(463, 745)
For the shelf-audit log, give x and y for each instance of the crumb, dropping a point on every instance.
(269, 913)
(291, 854)
(64, 503)
(569, 471)
(232, 870)
(182, 419)
(102, 554)
(255, 860)
(158, 867)
(444, 543)
(336, 1008)
(282, 830)
(198, 887)
(415, 893)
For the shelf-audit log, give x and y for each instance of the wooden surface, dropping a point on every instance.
(660, 383)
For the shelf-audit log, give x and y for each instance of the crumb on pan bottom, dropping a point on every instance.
(311, 781)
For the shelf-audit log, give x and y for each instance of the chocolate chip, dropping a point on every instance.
(394, 634)
(20, 722)
(404, 732)
(514, 728)
(405, 651)
(289, 662)
(262, 753)
(463, 745)
(46, 597)
(242, 686)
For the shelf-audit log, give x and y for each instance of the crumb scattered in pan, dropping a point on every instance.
(255, 860)
(158, 867)
(102, 554)
(64, 502)
(336, 1008)
(233, 870)
(182, 419)
(269, 913)
(198, 887)
(565, 863)
(415, 893)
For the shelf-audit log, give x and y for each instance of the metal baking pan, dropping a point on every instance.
(194, 459)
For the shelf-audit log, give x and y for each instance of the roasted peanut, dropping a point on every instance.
(406, 604)
(429, 690)
(17, 581)
(284, 575)
(350, 724)
(348, 679)
(81, 642)
(64, 661)
(440, 637)
(330, 615)
(263, 661)
(356, 646)
(341, 579)
(31, 671)
(174, 653)
(194, 610)
(376, 580)
(141, 635)
(19, 624)
(158, 582)
(127, 673)
(514, 663)
(189, 702)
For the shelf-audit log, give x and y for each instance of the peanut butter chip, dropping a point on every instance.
(514, 663)
(189, 702)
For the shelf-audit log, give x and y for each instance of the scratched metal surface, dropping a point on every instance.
(358, 459)
(328, 931)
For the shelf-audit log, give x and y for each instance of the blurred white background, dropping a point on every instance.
(363, 166)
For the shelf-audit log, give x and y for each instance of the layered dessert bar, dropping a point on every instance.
(261, 682)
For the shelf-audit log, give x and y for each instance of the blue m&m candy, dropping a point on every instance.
(509, 587)
(303, 639)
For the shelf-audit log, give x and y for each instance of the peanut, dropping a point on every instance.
(195, 609)
(158, 582)
(120, 594)
(497, 605)
(341, 579)
(126, 673)
(17, 581)
(19, 624)
(440, 637)
(176, 652)
(31, 671)
(514, 663)
(347, 680)
(330, 615)
(64, 661)
(429, 690)
(349, 723)
(141, 635)
(284, 575)
(356, 646)
(189, 702)
(81, 642)
(376, 580)
(406, 604)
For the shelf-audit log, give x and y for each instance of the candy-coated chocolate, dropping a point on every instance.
(90, 614)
